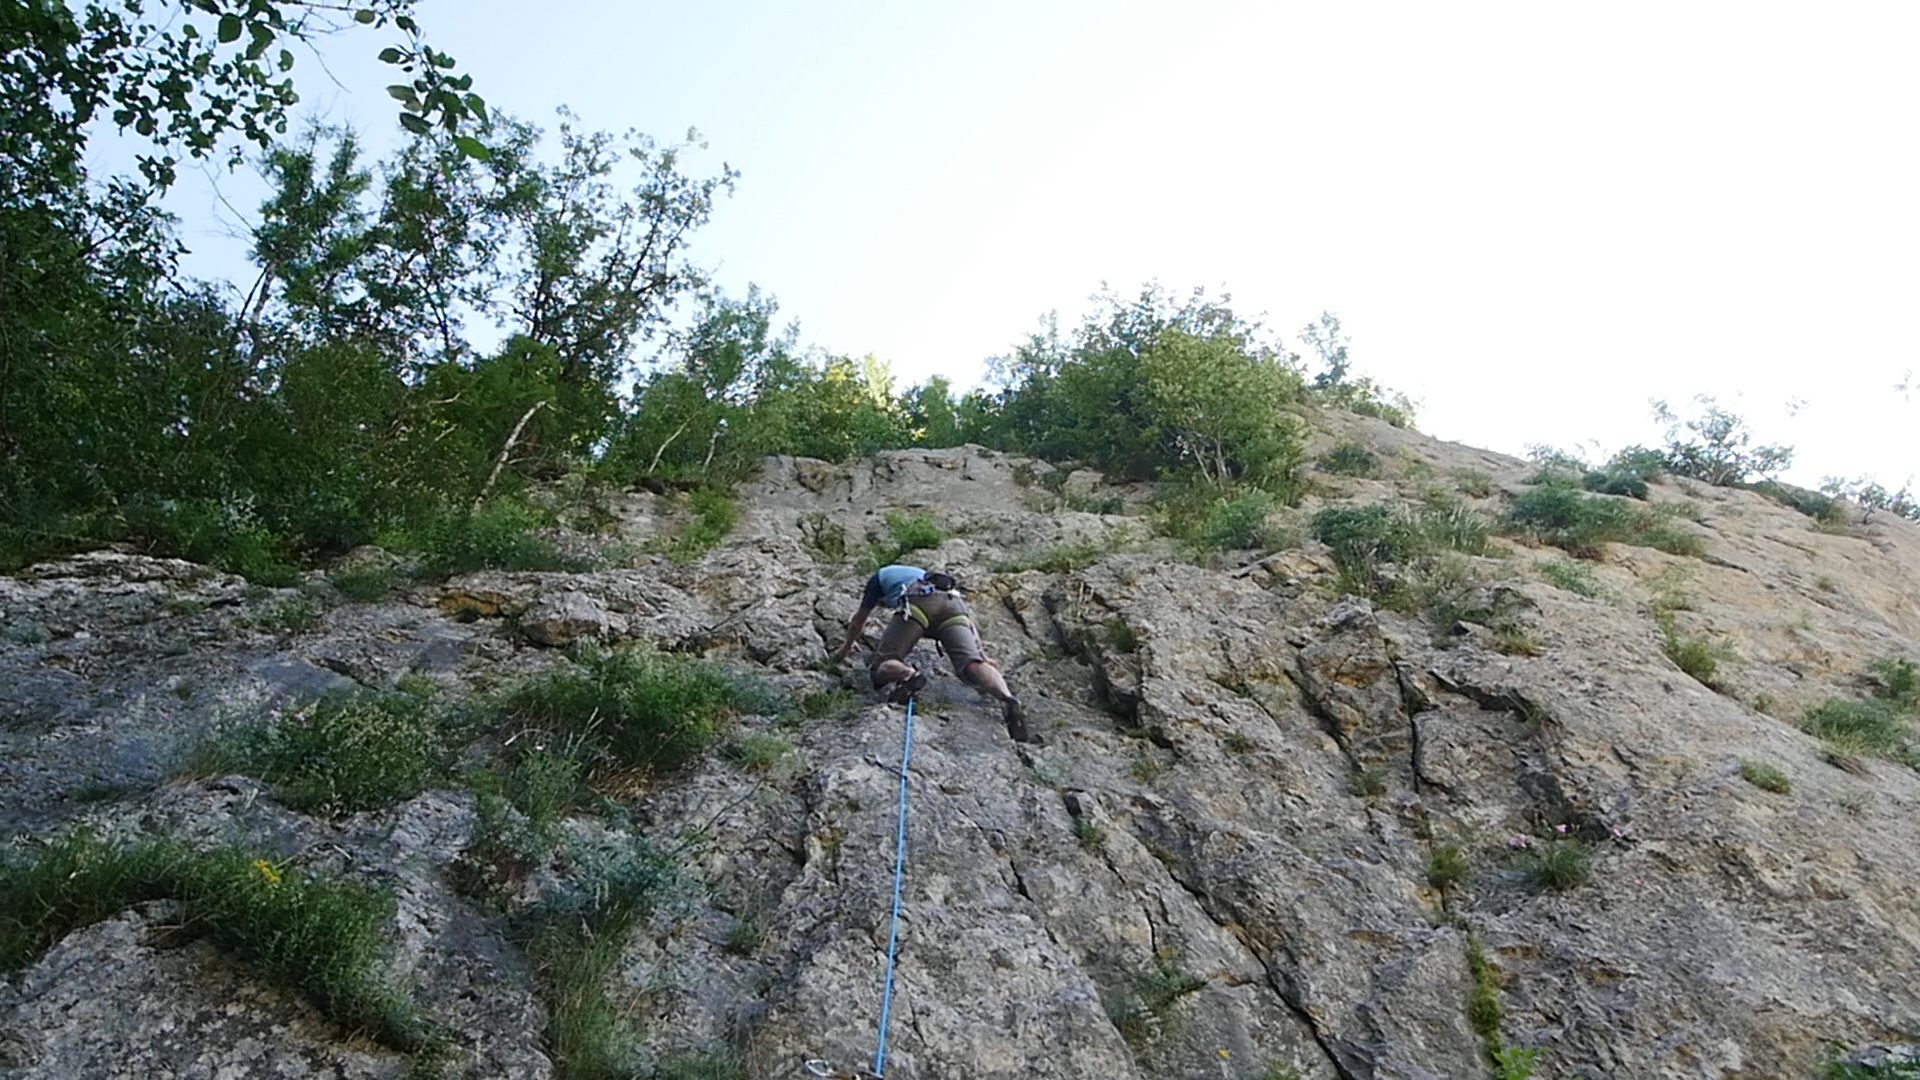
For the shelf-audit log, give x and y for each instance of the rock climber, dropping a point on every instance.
(923, 603)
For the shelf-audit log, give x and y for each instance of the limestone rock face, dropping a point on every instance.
(1225, 861)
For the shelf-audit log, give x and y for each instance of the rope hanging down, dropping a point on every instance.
(899, 866)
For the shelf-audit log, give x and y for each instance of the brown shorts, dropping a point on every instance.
(945, 617)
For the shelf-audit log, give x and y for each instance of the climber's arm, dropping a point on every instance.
(857, 624)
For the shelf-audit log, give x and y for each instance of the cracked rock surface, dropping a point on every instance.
(1217, 865)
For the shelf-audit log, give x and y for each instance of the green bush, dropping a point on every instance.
(1570, 519)
(324, 939)
(1350, 459)
(213, 534)
(1363, 538)
(632, 709)
(339, 755)
(1899, 681)
(500, 535)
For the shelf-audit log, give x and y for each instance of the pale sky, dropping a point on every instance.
(1530, 217)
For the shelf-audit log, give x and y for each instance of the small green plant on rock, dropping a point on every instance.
(714, 516)
(1446, 867)
(1765, 777)
(1369, 783)
(1572, 577)
(362, 584)
(761, 752)
(906, 533)
(1350, 459)
(339, 755)
(1142, 1012)
(1698, 657)
(1089, 833)
(1561, 864)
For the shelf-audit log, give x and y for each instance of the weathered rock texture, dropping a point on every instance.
(1244, 777)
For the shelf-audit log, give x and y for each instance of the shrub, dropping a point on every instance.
(1140, 1013)
(362, 584)
(212, 533)
(500, 535)
(322, 938)
(1716, 446)
(342, 754)
(1239, 523)
(1570, 519)
(1362, 538)
(632, 708)
(1089, 833)
(1350, 459)
(1821, 507)
(1765, 777)
(760, 752)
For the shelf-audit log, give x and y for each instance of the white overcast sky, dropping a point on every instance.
(1530, 217)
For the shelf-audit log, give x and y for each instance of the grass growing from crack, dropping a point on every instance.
(1484, 1015)
(575, 938)
(339, 755)
(1559, 865)
(1369, 783)
(362, 584)
(1699, 657)
(761, 752)
(632, 708)
(1446, 867)
(1765, 777)
(324, 939)
(906, 533)
(714, 516)
(1141, 1013)
(1571, 576)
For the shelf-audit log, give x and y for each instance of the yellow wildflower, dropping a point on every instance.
(266, 871)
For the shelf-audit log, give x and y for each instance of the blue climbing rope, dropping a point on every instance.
(899, 865)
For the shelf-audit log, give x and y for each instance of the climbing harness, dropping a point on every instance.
(820, 1066)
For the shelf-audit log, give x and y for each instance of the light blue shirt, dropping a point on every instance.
(889, 584)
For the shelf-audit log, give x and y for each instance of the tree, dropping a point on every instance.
(1716, 445)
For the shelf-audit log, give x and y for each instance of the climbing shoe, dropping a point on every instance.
(1016, 718)
(904, 690)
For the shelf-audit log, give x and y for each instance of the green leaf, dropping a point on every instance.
(400, 92)
(478, 106)
(473, 147)
(406, 23)
(391, 55)
(286, 60)
(416, 124)
(262, 37)
(229, 28)
(364, 17)
(144, 125)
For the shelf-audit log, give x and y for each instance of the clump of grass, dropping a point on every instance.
(1369, 783)
(1513, 639)
(339, 755)
(1062, 558)
(1699, 657)
(575, 938)
(1122, 636)
(1237, 743)
(1765, 777)
(1672, 540)
(714, 516)
(503, 848)
(632, 708)
(1350, 459)
(1483, 1001)
(1146, 770)
(362, 584)
(1474, 483)
(1559, 865)
(1141, 1012)
(711, 1064)
(1089, 833)
(289, 616)
(1571, 576)
(746, 935)
(324, 939)
(1363, 538)
(1446, 866)
(906, 533)
(1873, 728)
(826, 540)
(1898, 679)
(761, 752)
(1209, 520)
